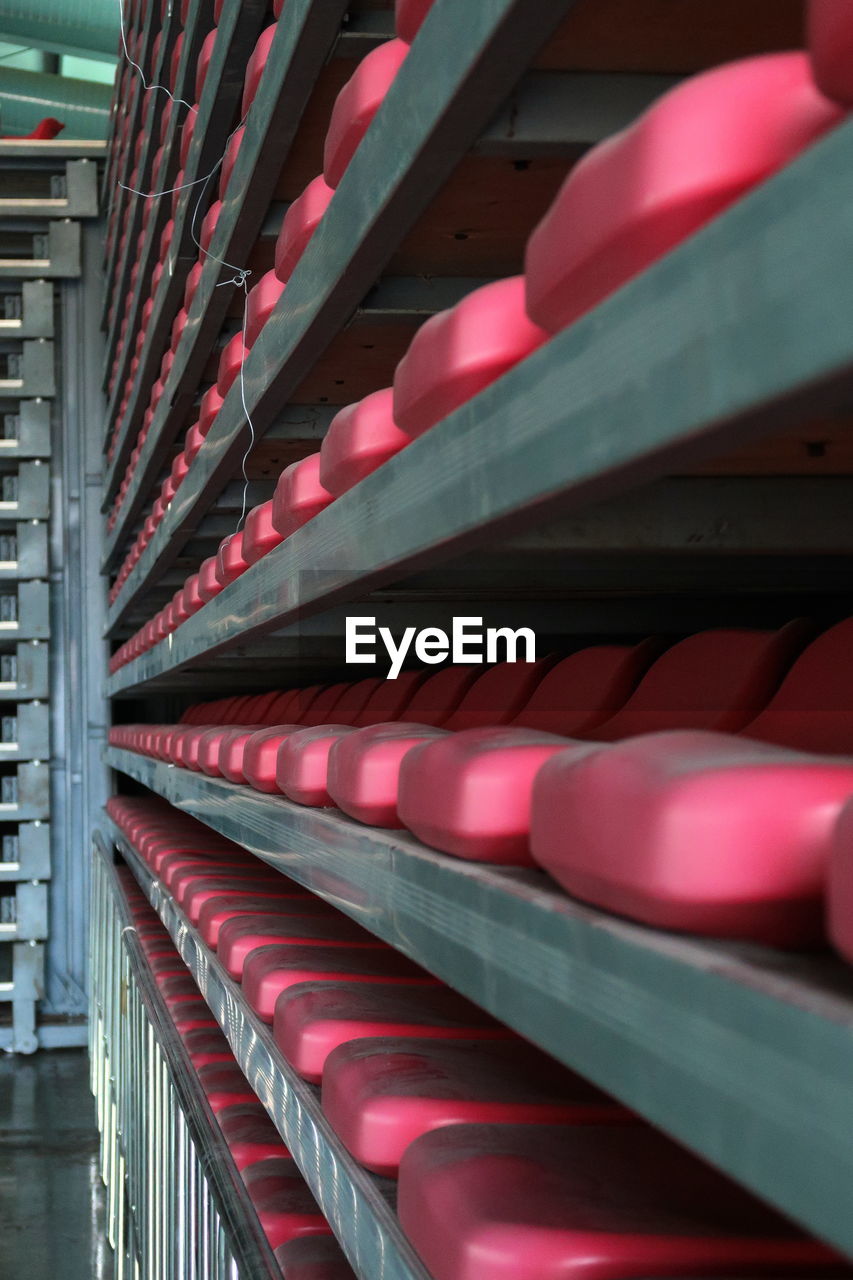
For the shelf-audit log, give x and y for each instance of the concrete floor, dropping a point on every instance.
(51, 1195)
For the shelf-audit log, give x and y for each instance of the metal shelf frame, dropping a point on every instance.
(605, 406)
(743, 1054)
(358, 1205)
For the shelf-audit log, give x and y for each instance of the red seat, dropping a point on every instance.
(216, 911)
(260, 535)
(284, 1205)
(257, 755)
(249, 937)
(230, 159)
(250, 1134)
(231, 362)
(191, 286)
(840, 884)
(208, 226)
(302, 763)
(300, 222)
(314, 1018)
(694, 152)
(597, 1202)
(228, 759)
(830, 39)
(208, 583)
(192, 1016)
(224, 1086)
(408, 17)
(364, 767)
(357, 104)
(268, 971)
(193, 890)
(260, 304)
(380, 1095)
(359, 439)
(299, 495)
(313, 1258)
(187, 131)
(206, 1046)
(255, 67)
(459, 352)
(710, 833)
(211, 403)
(230, 562)
(714, 680)
(203, 64)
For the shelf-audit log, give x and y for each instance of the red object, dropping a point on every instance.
(484, 1202)
(721, 835)
(191, 286)
(357, 104)
(224, 1085)
(203, 65)
(259, 533)
(229, 561)
(192, 597)
(300, 222)
(313, 1257)
(250, 1134)
(830, 39)
(269, 971)
(262, 939)
(459, 352)
(208, 583)
(255, 67)
(260, 305)
(697, 150)
(175, 62)
(381, 1095)
(216, 911)
(230, 364)
(208, 226)
(211, 403)
(261, 751)
(408, 17)
(314, 1018)
(364, 767)
(284, 1205)
(230, 159)
(299, 495)
(840, 884)
(187, 131)
(359, 439)
(714, 680)
(46, 129)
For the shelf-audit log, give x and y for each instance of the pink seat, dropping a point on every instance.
(203, 64)
(196, 890)
(224, 1086)
(260, 753)
(459, 352)
(230, 159)
(206, 1046)
(484, 1202)
(230, 364)
(380, 1095)
(313, 1258)
(230, 562)
(830, 39)
(192, 599)
(408, 17)
(302, 763)
(211, 403)
(187, 132)
(255, 67)
(284, 1205)
(216, 911)
(299, 495)
(694, 152)
(364, 767)
(234, 739)
(357, 104)
(300, 222)
(192, 444)
(714, 680)
(192, 1016)
(268, 971)
(313, 1019)
(720, 835)
(250, 1134)
(208, 226)
(839, 895)
(259, 534)
(244, 938)
(359, 439)
(260, 304)
(191, 286)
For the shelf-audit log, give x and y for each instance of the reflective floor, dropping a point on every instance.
(51, 1195)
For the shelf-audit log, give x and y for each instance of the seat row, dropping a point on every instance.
(630, 200)
(290, 1218)
(353, 112)
(509, 1164)
(699, 788)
